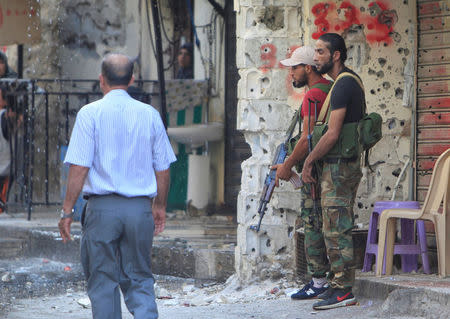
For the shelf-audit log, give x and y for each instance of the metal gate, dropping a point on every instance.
(49, 108)
(433, 89)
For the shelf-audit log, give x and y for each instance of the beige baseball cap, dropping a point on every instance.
(301, 55)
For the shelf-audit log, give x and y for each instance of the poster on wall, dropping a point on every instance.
(19, 22)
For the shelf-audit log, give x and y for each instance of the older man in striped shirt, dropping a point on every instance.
(119, 156)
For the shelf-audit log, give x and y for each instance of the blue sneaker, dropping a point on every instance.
(309, 291)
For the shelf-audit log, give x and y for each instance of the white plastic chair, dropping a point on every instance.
(438, 192)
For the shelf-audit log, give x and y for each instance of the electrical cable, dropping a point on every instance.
(151, 37)
(172, 43)
(150, 28)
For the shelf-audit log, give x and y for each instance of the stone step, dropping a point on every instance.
(12, 247)
(195, 250)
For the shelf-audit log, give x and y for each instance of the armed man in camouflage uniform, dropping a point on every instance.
(304, 72)
(340, 176)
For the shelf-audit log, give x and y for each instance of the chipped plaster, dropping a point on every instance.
(386, 65)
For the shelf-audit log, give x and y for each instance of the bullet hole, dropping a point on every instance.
(378, 90)
(357, 216)
(388, 155)
(253, 23)
(251, 200)
(386, 85)
(399, 93)
(388, 189)
(382, 61)
(389, 68)
(270, 108)
(265, 151)
(440, 117)
(372, 91)
(405, 2)
(400, 50)
(268, 243)
(371, 72)
(362, 9)
(402, 123)
(396, 36)
(406, 51)
(253, 250)
(251, 90)
(248, 207)
(392, 124)
(360, 205)
(261, 120)
(396, 172)
(282, 210)
(380, 74)
(382, 106)
(385, 44)
(404, 61)
(281, 250)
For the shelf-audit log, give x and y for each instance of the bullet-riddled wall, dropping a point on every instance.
(381, 42)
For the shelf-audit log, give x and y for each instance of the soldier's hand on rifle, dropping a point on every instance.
(307, 175)
(282, 173)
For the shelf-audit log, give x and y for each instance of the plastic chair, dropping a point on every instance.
(407, 248)
(438, 192)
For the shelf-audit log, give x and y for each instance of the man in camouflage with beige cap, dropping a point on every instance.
(303, 71)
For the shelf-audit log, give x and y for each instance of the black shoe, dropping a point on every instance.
(309, 291)
(326, 294)
(337, 298)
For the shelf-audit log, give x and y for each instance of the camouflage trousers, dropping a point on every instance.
(328, 233)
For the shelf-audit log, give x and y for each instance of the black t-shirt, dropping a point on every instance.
(348, 93)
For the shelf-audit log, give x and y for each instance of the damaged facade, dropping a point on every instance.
(383, 48)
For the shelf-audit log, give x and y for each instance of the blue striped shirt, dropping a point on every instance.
(123, 142)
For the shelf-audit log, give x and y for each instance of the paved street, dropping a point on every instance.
(66, 306)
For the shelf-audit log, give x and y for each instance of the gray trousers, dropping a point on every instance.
(117, 236)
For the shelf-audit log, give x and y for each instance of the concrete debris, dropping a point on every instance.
(228, 293)
(8, 277)
(84, 302)
(188, 288)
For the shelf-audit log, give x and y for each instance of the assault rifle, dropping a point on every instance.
(269, 182)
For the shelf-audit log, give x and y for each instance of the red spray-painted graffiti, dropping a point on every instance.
(269, 56)
(379, 21)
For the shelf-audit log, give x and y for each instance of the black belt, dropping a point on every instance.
(335, 160)
(88, 196)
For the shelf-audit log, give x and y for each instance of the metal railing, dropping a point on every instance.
(49, 108)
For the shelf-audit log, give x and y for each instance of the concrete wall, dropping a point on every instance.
(381, 40)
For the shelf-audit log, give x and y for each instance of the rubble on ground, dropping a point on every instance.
(232, 291)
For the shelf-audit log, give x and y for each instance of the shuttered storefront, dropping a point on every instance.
(433, 91)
